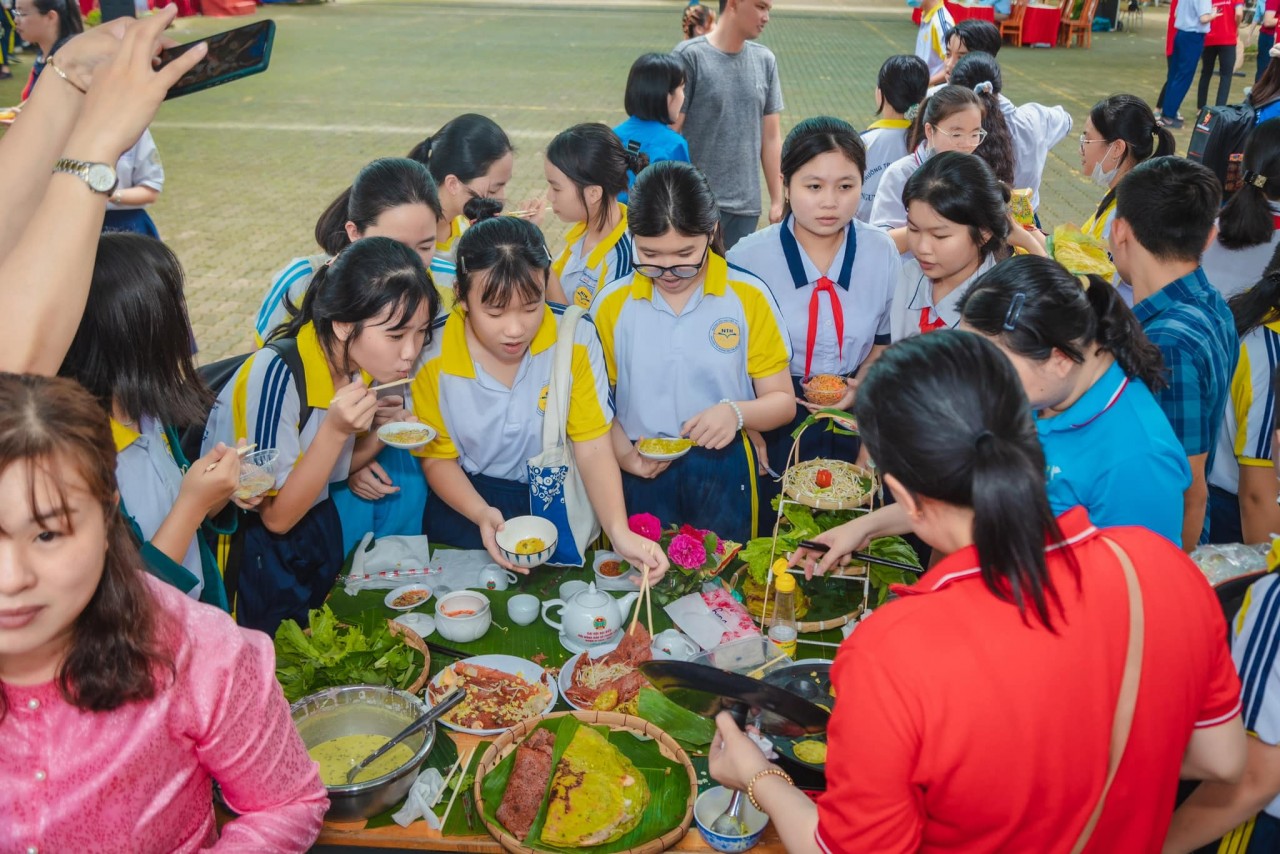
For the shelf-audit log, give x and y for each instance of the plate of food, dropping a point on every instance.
(828, 484)
(606, 679)
(662, 449)
(406, 597)
(501, 690)
(406, 435)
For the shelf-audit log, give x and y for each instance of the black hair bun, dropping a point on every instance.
(480, 208)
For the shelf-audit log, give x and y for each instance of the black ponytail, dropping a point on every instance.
(1247, 219)
(591, 155)
(465, 147)
(981, 73)
(480, 208)
(386, 183)
(946, 416)
(1253, 307)
(1054, 312)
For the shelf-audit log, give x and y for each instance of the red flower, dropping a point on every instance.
(646, 525)
(687, 551)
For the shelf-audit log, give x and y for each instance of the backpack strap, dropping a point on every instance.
(287, 349)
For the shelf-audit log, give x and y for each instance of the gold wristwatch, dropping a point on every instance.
(100, 177)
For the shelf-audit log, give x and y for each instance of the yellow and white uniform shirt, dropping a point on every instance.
(489, 428)
(444, 267)
(149, 480)
(1245, 436)
(931, 40)
(886, 143)
(1099, 223)
(583, 275)
(261, 404)
(666, 368)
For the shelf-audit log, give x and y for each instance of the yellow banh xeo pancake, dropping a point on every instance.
(597, 794)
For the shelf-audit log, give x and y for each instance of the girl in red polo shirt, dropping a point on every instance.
(991, 729)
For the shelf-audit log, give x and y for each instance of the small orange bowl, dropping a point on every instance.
(824, 389)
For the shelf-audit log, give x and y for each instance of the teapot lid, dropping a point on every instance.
(591, 597)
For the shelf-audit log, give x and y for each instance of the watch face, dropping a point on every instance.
(101, 177)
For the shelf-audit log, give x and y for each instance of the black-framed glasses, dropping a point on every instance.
(680, 271)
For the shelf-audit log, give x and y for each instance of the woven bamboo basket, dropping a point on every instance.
(813, 625)
(512, 738)
(413, 641)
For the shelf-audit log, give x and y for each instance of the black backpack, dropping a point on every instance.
(1220, 132)
(217, 374)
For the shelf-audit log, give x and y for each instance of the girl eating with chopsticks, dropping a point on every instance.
(366, 316)
(482, 383)
(695, 348)
(132, 352)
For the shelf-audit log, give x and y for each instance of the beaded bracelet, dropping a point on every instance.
(736, 411)
(49, 63)
(751, 794)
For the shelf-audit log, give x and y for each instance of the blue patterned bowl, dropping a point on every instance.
(711, 804)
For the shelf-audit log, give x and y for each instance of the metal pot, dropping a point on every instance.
(364, 710)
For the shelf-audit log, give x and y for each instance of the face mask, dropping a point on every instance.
(1104, 178)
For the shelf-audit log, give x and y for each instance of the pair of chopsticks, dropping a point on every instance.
(240, 452)
(461, 767)
(392, 384)
(644, 597)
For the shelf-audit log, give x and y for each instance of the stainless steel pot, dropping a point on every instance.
(364, 710)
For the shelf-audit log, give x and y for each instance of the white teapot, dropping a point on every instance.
(590, 617)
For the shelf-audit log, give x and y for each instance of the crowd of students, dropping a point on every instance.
(1058, 442)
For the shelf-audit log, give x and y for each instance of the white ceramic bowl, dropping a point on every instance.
(614, 582)
(423, 434)
(522, 528)
(463, 628)
(390, 600)
(711, 804)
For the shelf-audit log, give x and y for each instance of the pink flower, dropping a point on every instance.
(687, 551)
(646, 525)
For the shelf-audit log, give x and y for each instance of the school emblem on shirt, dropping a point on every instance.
(582, 297)
(542, 399)
(726, 336)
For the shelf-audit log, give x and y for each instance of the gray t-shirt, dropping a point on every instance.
(727, 96)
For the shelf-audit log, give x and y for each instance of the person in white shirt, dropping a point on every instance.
(901, 87)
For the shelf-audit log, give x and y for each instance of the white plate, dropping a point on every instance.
(662, 457)
(421, 624)
(507, 664)
(566, 672)
(405, 588)
(622, 582)
(393, 426)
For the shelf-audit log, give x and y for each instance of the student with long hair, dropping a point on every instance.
(1247, 235)
(368, 311)
(832, 276)
(949, 120)
(122, 700)
(1265, 95)
(1120, 133)
(696, 20)
(1029, 630)
(1242, 481)
(901, 86)
(653, 100)
(47, 24)
(694, 348)
(481, 383)
(586, 169)
(957, 228)
(132, 352)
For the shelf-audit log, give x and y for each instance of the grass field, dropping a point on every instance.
(251, 165)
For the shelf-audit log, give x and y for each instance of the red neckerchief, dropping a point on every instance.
(828, 287)
(927, 325)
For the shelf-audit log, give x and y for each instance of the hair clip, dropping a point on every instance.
(1251, 177)
(912, 112)
(984, 87)
(1014, 312)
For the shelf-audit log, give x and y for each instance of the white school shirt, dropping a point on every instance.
(491, 429)
(886, 142)
(138, 167)
(915, 294)
(261, 404)
(931, 39)
(1231, 271)
(865, 271)
(583, 275)
(1035, 129)
(149, 481)
(666, 368)
(888, 211)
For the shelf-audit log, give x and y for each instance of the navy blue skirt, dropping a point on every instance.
(137, 221)
(446, 526)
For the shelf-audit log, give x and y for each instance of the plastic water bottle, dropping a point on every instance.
(784, 632)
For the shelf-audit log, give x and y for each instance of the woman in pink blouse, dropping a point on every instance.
(121, 700)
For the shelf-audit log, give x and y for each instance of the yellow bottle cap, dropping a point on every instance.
(780, 567)
(786, 583)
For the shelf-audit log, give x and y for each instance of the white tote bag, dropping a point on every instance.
(556, 492)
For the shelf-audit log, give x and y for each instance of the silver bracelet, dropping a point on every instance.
(736, 411)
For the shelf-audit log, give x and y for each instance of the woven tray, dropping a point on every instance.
(795, 474)
(805, 626)
(510, 739)
(413, 641)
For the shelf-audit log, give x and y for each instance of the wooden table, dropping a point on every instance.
(419, 837)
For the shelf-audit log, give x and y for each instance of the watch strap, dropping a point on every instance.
(80, 168)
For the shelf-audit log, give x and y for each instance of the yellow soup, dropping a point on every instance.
(339, 755)
(813, 752)
(529, 546)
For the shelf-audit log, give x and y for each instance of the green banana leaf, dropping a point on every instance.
(676, 721)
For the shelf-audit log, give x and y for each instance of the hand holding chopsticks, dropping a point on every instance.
(644, 597)
(240, 452)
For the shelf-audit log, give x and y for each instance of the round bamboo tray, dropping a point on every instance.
(413, 641)
(511, 739)
(810, 625)
(792, 477)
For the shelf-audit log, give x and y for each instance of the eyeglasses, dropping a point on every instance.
(680, 271)
(1085, 141)
(975, 139)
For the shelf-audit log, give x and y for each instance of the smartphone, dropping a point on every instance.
(233, 54)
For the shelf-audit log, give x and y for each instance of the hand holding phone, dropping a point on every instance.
(232, 55)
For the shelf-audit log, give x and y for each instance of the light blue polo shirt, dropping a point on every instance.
(865, 271)
(1114, 452)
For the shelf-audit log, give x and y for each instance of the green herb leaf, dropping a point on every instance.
(677, 721)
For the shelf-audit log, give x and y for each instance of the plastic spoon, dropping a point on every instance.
(444, 704)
